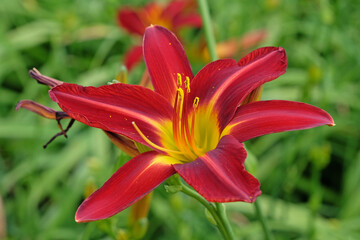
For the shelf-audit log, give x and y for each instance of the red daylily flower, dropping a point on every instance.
(174, 16)
(194, 124)
(233, 47)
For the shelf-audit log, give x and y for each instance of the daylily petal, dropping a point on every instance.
(193, 20)
(133, 56)
(173, 9)
(132, 181)
(114, 107)
(264, 117)
(215, 70)
(230, 85)
(220, 175)
(131, 21)
(165, 57)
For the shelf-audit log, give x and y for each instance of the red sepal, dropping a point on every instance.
(132, 181)
(265, 117)
(114, 107)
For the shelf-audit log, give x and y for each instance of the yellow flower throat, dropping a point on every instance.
(192, 132)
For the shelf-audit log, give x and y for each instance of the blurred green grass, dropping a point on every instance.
(309, 179)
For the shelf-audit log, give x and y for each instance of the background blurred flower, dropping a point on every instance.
(236, 47)
(175, 15)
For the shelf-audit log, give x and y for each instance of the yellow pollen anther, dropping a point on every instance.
(181, 94)
(196, 102)
(179, 80)
(187, 84)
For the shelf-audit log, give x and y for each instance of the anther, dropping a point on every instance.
(187, 84)
(179, 80)
(181, 93)
(196, 102)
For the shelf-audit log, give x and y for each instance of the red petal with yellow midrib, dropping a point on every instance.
(165, 58)
(114, 107)
(130, 183)
(264, 117)
(220, 175)
(226, 88)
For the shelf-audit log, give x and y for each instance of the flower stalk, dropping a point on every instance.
(209, 33)
(217, 211)
(223, 217)
(264, 225)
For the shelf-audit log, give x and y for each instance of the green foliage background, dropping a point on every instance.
(309, 178)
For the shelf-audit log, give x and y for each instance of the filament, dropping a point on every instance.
(148, 141)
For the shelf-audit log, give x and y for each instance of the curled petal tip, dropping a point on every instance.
(38, 109)
(332, 122)
(78, 220)
(18, 105)
(254, 197)
(51, 82)
(151, 26)
(82, 219)
(77, 217)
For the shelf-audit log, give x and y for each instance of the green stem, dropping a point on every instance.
(219, 217)
(222, 214)
(209, 34)
(268, 235)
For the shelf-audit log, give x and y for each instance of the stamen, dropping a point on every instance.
(190, 131)
(155, 146)
(179, 125)
(179, 80)
(187, 84)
